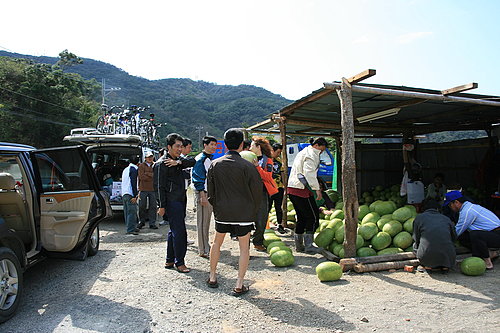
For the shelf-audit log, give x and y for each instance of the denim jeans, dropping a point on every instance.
(130, 213)
(177, 235)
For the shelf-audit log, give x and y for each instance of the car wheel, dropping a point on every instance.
(11, 283)
(93, 244)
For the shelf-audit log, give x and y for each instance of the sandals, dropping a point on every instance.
(169, 265)
(183, 269)
(240, 291)
(212, 284)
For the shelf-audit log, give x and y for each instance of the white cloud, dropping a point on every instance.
(362, 40)
(412, 36)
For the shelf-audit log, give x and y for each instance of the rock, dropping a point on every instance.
(364, 320)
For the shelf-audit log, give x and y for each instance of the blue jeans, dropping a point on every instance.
(130, 213)
(177, 235)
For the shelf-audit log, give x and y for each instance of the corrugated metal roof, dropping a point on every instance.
(319, 112)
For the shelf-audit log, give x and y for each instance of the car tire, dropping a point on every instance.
(93, 244)
(11, 283)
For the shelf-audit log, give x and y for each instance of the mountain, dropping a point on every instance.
(188, 107)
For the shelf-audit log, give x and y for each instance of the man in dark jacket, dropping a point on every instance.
(169, 183)
(234, 190)
(434, 236)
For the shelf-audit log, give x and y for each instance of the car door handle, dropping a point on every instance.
(49, 200)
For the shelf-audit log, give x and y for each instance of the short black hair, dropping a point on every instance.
(186, 142)
(207, 139)
(277, 146)
(172, 138)
(233, 138)
(430, 203)
(134, 159)
(247, 144)
(318, 141)
(439, 175)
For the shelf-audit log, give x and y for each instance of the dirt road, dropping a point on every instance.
(125, 288)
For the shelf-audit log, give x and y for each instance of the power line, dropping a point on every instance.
(42, 119)
(39, 100)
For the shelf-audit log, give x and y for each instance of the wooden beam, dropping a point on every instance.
(362, 76)
(262, 123)
(461, 88)
(349, 192)
(297, 104)
(402, 104)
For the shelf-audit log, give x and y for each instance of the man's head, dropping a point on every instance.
(187, 144)
(209, 144)
(134, 160)
(277, 149)
(246, 144)
(149, 157)
(438, 179)
(319, 143)
(233, 138)
(174, 144)
(430, 203)
(454, 200)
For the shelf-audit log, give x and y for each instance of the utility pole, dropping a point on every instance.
(199, 128)
(107, 91)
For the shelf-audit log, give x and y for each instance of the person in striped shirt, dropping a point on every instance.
(477, 228)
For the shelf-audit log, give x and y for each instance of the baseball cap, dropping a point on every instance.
(149, 154)
(450, 196)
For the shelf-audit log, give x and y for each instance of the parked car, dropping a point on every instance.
(50, 205)
(110, 154)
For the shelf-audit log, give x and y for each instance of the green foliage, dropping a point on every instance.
(182, 104)
(39, 103)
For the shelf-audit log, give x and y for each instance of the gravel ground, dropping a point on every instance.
(125, 288)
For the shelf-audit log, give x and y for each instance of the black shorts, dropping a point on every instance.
(233, 229)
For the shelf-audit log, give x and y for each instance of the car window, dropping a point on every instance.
(62, 170)
(325, 158)
(8, 164)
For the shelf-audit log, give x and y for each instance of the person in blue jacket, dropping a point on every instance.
(203, 207)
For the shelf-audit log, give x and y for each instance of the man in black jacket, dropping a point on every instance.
(169, 184)
(234, 190)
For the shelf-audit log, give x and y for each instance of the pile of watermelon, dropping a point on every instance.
(383, 228)
(280, 254)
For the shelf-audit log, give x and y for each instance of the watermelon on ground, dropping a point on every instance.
(279, 248)
(473, 266)
(282, 258)
(328, 271)
(382, 221)
(274, 244)
(370, 217)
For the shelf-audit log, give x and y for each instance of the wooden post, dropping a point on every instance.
(338, 154)
(284, 160)
(349, 191)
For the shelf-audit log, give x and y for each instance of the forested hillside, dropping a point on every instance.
(183, 104)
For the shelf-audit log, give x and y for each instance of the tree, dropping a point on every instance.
(68, 59)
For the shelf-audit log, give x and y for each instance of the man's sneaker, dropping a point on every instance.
(140, 225)
(132, 233)
(164, 223)
(153, 227)
(281, 230)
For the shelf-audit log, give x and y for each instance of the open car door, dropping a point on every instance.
(71, 205)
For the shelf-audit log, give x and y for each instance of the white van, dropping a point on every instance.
(110, 154)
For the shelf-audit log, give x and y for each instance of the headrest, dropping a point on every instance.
(7, 182)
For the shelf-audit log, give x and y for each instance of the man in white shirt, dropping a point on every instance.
(130, 195)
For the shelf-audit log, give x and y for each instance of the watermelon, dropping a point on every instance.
(282, 258)
(328, 271)
(337, 248)
(402, 240)
(335, 224)
(368, 230)
(402, 214)
(408, 225)
(370, 217)
(363, 210)
(389, 250)
(392, 228)
(381, 240)
(366, 252)
(274, 244)
(339, 235)
(338, 213)
(473, 266)
(324, 238)
(384, 207)
(279, 248)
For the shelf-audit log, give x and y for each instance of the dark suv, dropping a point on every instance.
(50, 205)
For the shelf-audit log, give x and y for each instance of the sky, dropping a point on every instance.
(289, 47)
